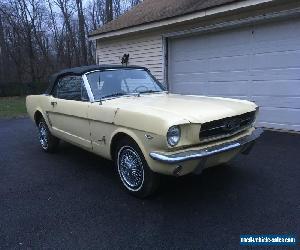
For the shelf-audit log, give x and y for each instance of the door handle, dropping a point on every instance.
(53, 103)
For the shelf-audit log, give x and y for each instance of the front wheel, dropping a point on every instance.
(134, 172)
(48, 142)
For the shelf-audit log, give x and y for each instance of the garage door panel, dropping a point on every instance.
(230, 51)
(190, 67)
(259, 63)
(190, 89)
(209, 46)
(186, 88)
(276, 88)
(210, 40)
(209, 88)
(276, 74)
(229, 64)
(229, 76)
(281, 126)
(219, 64)
(233, 63)
(277, 101)
(226, 76)
(277, 115)
(275, 31)
(211, 54)
(187, 42)
(225, 88)
(276, 60)
(190, 55)
(194, 78)
(227, 39)
(276, 46)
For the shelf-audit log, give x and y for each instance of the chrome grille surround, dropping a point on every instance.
(226, 127)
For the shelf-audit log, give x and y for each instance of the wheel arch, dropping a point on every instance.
(37, 116)
(124, 133)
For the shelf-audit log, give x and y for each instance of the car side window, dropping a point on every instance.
(71, 88)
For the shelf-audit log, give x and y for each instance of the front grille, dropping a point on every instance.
(227, 126)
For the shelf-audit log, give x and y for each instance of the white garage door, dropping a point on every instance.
(259, 63)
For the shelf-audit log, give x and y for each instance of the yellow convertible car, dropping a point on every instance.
(124, 114)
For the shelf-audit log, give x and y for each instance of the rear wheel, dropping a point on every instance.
(48, 142)
(135, 175)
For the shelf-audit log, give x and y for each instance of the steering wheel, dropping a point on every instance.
(139, 87)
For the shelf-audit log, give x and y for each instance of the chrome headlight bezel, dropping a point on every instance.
(173, 135)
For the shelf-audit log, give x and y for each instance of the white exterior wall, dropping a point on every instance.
(144, 50)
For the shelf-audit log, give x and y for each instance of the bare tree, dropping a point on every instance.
(67, 11)
(109, 10)
(81, 28)
(3, 52)
(39, 37)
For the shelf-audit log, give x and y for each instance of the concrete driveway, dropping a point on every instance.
(72, 199)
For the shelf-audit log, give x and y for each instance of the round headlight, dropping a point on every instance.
(173, 135)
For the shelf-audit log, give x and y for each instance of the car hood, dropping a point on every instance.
(194, 109)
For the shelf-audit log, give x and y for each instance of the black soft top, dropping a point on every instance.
(82, 70)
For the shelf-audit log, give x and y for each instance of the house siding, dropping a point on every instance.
(145, 50)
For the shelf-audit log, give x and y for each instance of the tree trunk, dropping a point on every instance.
(62, 4)
(109, 10)
(3, 54)
(81, 28)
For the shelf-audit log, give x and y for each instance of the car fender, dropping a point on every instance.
(134, 134)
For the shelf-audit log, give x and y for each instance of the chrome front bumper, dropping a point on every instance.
(206, 152)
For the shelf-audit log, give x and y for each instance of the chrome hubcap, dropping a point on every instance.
(43, 135)
(130, 168)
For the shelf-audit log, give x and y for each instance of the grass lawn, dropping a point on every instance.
(12, 107)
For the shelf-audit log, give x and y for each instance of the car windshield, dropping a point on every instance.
(114, 83)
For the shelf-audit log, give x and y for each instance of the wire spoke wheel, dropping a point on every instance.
(130, 168)
(43, 135)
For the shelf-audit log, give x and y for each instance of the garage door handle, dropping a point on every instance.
(53, 103)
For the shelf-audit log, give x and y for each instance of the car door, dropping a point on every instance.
(101, 114)
(102, 127)
(68, 115)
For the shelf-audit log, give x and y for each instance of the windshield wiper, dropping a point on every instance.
(133, 93)
(114, 95)
(150, 91)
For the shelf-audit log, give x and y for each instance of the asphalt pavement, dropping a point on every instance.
(73, 199)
